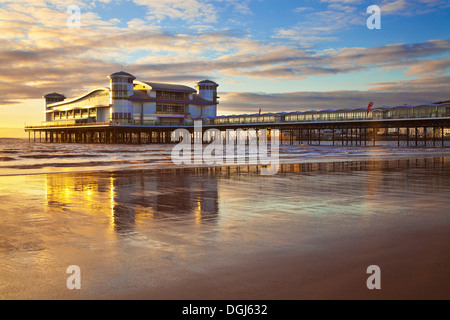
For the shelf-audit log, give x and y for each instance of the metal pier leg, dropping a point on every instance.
(425, 136)
(365, 136)
(434, 136)
(374, 135)
(417, 133)
(333, 136)
(407, 137)
(351, 136)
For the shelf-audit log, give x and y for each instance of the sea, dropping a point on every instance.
(19, 156)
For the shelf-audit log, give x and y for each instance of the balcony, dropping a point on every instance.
(172, 112)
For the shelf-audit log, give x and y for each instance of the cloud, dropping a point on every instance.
(315, 25)
(342, 1)
(394, 7)
(189, 10)
(427, 84)
(39, 54)
(414, 7)
(384, 55)
(302, 9)
(430, 67)
(247, 102)
(54, 54)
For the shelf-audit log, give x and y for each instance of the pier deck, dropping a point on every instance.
(432, 131)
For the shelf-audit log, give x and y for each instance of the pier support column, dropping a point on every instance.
(417, 136)
(361, 137)
(374, 135)
(434, 136)
(365, 137)
(407, 137)
(424, 136)
(332, 138)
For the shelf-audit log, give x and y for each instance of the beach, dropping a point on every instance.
(308, 232)
(336, 272)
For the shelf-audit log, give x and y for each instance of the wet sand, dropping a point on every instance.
(413, 265)
(309, 232)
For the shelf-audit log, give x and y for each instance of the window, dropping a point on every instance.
(121, 115)
(167, 95)
(170, 108)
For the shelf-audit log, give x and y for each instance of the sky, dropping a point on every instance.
(274, 55)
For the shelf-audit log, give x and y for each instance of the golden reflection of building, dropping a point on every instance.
(186, 194)
(130, 198)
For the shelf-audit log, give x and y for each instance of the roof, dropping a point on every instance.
(80, 97)
(207, 82)
(441, 102)
(54, 95)
(170, 87)
(123, 74)
(140, 95)
(199, 100)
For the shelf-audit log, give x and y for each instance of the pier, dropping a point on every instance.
(413, 132)
(132, 111)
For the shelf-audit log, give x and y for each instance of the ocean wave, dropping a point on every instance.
(87, 164)
(50, 156)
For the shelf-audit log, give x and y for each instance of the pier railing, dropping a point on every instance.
(210, 122)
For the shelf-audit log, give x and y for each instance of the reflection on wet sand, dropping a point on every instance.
(192, 194)
(131, 198)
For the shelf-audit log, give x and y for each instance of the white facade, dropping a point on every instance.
(130, 101)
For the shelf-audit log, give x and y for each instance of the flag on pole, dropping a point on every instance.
(259, 112)
(369, 107)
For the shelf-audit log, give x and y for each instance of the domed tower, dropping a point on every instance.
(121, 89)
(207, 90)
(49, 99)
(53, 97)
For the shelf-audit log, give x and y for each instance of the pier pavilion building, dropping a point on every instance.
(128, 100)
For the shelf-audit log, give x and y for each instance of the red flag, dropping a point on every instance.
(369, 107)
(259, 112)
